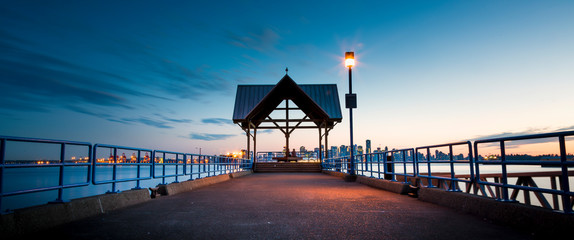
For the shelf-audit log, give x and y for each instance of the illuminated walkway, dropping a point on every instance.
(284, 206)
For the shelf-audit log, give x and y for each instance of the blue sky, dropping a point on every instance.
(163, 74)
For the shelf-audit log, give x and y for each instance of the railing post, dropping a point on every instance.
(404, 153)
(114, 169)
(59, 199)
(138, 161)
(564, 182)
(379, 164)
(191, 168)
(2, 154)
(163, 168)
(504, 178)
(371, 162)
(389, 167)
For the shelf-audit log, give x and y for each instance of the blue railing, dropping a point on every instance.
(170, 164)
(524, 181)
(426, 161)
(140, 160)
(31, 166)
(490, 175)
(337, 164)
(62, 163)
(393, 163)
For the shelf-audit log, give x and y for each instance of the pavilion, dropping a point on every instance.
(319, 104)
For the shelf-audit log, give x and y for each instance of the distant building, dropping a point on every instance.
(368, 146)
(334, 152)
(343, 151)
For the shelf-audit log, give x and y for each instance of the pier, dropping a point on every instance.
(444, 191)
(285, 206)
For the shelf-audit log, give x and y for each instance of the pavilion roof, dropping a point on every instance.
(320, 102)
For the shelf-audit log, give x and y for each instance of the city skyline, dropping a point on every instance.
(164, 76)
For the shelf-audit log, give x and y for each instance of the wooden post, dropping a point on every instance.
(320, 154)
(326, 141)
(248, 132)
(254, 145)
(287, 151)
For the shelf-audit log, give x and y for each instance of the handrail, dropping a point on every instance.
(61, 163)
(474, 178)
(115, 160)
(564, 191)
(220, 165)
(389, 159)
(402, 153)
(453, 179)
(164, 162)
(140, 159)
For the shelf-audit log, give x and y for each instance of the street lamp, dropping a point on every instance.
(351, 102)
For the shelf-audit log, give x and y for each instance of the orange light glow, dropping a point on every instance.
(349, 59)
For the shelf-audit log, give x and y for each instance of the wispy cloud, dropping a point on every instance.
(265, 131)
(157, 121)
(530, 131)
(218, 121)
(33, 81)
(187, 83)
(210, 136)
(516, 143)
(147, 121)
(263, 39)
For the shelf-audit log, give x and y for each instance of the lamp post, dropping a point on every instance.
(351, 102)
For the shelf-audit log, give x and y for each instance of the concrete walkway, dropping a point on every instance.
(284, 206)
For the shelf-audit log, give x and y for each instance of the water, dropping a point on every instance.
(372, 170)
(27, 178)
(21, 179)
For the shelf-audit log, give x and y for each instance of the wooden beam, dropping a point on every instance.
(276, 125)
(287, 108)
(269, 127)
(289, 120)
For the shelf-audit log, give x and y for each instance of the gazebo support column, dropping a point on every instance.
(326, 142)
(248, 133)
(255, 145)
(320, 153)
(287, 133)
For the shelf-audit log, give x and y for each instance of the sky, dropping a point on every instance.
(163, 74)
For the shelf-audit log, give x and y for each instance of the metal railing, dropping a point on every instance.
(99, 165)
(166, 161)
(114, 161)
(524, 180)
(448, 160)
(490, 176)
(336, 164)
(394, 163)
(62, 163)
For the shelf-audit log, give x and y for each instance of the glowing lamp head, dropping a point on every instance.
(349, 59)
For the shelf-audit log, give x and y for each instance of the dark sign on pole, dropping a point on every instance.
(351, 100)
